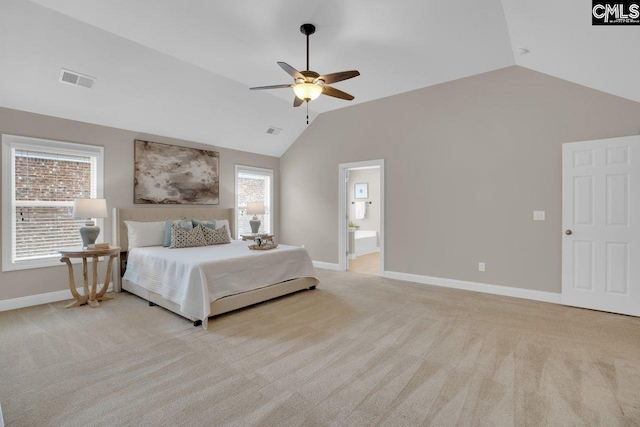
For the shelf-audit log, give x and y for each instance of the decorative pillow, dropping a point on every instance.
(223, 222)
(141, 234)
(186, 224)
(216, 237)
(167, 232)
(208, 224)
(183, 223)
(181, 238)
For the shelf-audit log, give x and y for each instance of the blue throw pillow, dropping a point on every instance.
(167, 233)
(209, 224)
(183, 223)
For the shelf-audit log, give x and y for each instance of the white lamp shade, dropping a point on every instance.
(89, 208)
(307, 91)
(255, 208)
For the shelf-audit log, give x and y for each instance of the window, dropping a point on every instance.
(253, 185)
(40, 180)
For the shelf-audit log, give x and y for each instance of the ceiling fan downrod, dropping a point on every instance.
(307, 30)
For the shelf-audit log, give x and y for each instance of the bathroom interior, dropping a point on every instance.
(364, 220)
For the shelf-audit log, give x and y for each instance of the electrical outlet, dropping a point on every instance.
(481, 266)
(538, 215)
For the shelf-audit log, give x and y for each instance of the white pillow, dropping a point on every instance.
(143, 234)
(221, 223)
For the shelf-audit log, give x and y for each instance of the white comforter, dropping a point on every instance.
(195, 277)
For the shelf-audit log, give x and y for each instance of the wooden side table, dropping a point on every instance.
(265, 237)
(90, 296)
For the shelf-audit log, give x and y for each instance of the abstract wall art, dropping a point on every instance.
(170, 174)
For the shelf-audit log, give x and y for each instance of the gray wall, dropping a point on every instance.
(118, 177)
(371, 220)
(466, 164)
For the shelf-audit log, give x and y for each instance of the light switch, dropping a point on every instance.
(538, 215)
(481, 266)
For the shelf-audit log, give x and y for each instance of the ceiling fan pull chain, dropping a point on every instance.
(307, 113)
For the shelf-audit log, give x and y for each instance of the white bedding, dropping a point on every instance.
(195, 277)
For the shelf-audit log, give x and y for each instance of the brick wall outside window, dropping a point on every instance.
(41, 229)
(251, 190)
(50, 179)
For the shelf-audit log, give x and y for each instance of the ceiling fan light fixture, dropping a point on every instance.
(307, 91)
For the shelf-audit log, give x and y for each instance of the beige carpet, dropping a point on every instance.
(359, 350)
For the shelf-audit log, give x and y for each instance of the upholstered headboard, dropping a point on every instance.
(150, 214)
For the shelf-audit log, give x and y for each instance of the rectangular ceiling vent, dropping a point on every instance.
(76, 79)
(273, 130)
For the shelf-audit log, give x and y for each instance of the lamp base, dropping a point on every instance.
(89, 234)
(255, 225)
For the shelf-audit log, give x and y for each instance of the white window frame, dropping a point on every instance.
(256, 170)
(9, 144)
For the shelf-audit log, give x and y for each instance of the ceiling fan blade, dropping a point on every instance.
(338, 77)
(291, 71)
(336, 93)
(297, 101)
(270, 87)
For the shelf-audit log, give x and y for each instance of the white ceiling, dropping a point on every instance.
(564, 44)
(184, 72)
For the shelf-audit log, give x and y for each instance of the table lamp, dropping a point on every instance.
(89, 209)
(255, 208)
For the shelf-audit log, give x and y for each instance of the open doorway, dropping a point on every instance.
(362, 217)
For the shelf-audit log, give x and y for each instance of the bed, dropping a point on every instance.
(198, 283)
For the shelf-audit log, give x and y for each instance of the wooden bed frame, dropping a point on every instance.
(219, 306)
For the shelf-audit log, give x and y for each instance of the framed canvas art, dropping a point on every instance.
(169, 174)
(361, 190)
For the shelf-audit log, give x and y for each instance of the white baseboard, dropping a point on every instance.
(49, 297)
(375, 250)
(326, 265)
(551, 297)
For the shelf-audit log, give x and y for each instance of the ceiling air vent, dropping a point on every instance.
(273, 130)
(76, 79)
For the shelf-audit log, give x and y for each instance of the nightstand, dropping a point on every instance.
(266, 237)
(90, 296)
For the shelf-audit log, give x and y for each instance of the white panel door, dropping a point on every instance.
(600, 216)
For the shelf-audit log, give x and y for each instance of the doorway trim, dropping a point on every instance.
(343, 233)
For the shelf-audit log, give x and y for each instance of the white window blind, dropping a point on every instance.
(253, 185)
(40, 181)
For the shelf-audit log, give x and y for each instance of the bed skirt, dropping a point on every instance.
(229, 303)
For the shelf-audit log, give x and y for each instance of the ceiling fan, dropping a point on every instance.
(308, 85)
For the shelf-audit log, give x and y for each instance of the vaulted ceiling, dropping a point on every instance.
(183, 69)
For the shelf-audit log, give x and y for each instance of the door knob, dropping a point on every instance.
(568, 232)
